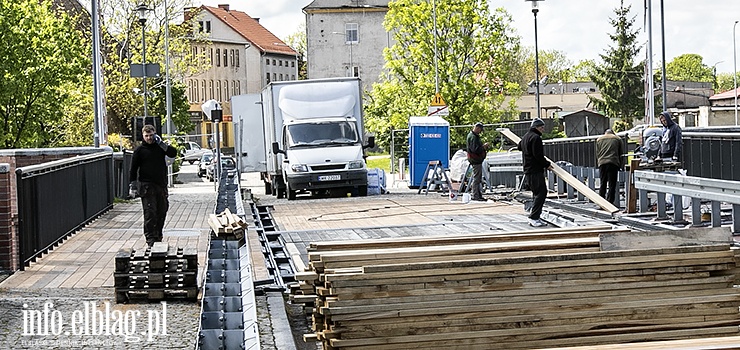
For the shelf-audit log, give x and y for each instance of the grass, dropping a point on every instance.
(382, 161)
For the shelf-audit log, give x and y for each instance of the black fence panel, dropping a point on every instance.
(713, 155)
(57, 198)
(579, 151)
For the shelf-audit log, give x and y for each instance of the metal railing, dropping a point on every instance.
(57, 198)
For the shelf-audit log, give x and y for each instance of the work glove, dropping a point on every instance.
(675, 159)
(132, 192)
(158, 141)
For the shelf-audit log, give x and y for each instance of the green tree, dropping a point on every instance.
(123, 46)
(582, 71)
(476, 55)
(689, 67)
(40, 59)
(180, 116)
(297, 41)
(553, 63)
(725, 82)
(619, 79)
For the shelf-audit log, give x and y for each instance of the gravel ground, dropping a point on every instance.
(67, 318)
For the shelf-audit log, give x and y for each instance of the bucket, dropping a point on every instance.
(373, 182)
(466, 198)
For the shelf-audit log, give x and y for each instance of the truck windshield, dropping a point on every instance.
(330, 133)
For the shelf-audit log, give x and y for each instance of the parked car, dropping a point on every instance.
(228, 166)
(192, 152)
(205, 159)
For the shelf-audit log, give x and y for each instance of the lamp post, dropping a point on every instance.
(142, 9)
(734, 68)
(535, 9)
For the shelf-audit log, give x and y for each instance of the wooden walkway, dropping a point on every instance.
(86, 259)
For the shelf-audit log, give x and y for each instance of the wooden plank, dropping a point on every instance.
(578, 185)
(664, 239)
(681, 344)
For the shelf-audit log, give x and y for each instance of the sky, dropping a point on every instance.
(578, 28)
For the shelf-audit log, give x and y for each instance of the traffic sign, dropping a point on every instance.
(437, 100)
(438, 111)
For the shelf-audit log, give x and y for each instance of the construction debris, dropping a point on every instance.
(227, 224)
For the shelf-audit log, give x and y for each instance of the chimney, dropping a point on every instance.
(224, 7)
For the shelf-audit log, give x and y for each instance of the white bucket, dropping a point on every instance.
(373, 182)
(466, 198)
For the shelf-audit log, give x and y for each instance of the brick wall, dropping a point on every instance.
(10, 160)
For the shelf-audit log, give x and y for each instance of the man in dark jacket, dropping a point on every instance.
(149, 168)
(535, 165)
(476, 155)
(609, 152)
(672, 141)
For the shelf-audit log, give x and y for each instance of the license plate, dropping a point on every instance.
(330, 177)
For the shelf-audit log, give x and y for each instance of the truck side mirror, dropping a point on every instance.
(276, 148)
(370, 142)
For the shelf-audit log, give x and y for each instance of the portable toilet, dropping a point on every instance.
(429, 140)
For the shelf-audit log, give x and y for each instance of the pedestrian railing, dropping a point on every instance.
(57, 198)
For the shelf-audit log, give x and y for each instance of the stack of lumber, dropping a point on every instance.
(227, 224)
(517, 290)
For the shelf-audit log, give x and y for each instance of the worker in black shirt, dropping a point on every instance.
(149, 168)
(535, 164)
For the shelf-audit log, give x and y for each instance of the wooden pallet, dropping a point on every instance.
(158, 258)
(124, 295)
(154, 279)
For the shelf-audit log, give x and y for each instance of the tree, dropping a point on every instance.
(475, 53)
(725, 82)
(689, 67)
(619, 79)
(552, 63)
(297, 41)
(122, 46)
(582, 71)
(41, 59)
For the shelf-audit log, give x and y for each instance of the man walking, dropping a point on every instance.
(609, 152)
(535, 164)
(149, 168)
(476, 155)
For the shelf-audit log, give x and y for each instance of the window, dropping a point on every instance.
(210, 89)
(211, 54)
(281, 63)
(274, 76)
(233, 88)
(218, 57)
(203, 90)
(292, 77)
(226, 90)
(355, 71)
(231, 57)
(236, 57)
(200, 26)
(281, 77)
(218, 90)
(267, 78)
(238, 87)
(292, 64)
(208, 26)
(226, 58)
(352, 31)
(267, 61)
(273, 62)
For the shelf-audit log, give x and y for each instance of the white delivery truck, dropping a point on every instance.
(308, 136)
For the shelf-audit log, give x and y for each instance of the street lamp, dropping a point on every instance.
(142, 9)
(535, 9)
(734, 68)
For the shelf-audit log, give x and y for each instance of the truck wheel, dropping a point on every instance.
(279, 192)
(290, 192)
(362, 191)
(191, 162)
(268, 188)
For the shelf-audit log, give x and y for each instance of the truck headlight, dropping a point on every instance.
(356, 164)
(299, 168)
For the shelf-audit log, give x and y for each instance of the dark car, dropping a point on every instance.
(205, 159)
(228, 166)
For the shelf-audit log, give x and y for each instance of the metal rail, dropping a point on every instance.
(697, 188)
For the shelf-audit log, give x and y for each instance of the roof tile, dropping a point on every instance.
(251, 30)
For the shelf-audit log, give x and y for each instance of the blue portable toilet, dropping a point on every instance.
(429, 140)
